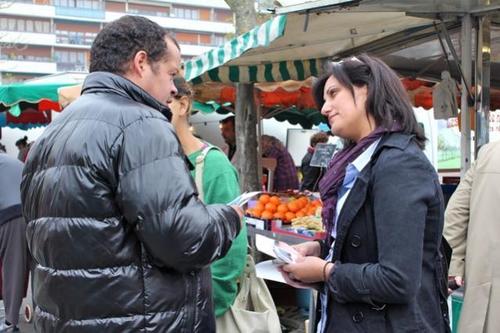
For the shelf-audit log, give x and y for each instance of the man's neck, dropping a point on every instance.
(189, 142)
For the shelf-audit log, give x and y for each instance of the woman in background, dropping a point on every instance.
(217, 182)
(24, 147)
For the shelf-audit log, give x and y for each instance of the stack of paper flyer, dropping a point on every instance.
(283, 254)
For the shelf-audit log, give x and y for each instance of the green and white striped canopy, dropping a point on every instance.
(209, 64)
(298, 70)
(294, 46)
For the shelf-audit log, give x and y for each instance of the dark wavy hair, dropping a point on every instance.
(387, 100)
(116, 45)
(22, 142)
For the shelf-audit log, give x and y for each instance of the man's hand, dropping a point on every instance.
(308, 249)
(454, 282)
(238, 210)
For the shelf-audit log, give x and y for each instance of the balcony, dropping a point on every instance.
(71, 67)
(15, 8)
(27, 64)
(21, 39)
(97, 14)
(182, 24)
(193, 50)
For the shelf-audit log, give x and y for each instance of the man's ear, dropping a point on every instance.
(139, 63)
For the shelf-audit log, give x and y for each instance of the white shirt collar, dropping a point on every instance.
(362, 160)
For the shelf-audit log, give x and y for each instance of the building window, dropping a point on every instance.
(75, 37)
(3, 24)
(38, 26)
(12, 24)
(46, 27)
(70, 60)
(87, 4)
(24, 25)
(186, 13)
(29, 25)
(218, 40)
(20, 25)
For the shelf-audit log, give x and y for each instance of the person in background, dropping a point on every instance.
(13, 247)
(219, 184)
(472, 229)
(228, 133)
(120, 239)
(311, 175)
(24, 146)
(285, 174)
(381, 263)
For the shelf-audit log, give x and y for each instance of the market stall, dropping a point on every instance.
(29, 105)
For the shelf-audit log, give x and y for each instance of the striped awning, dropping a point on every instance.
(213, 66)
(294, 46)
(208, 63)
(297, 70)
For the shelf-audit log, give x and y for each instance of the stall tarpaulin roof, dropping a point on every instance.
(43, 94)
(28, 105)
(287, 101)
(291, 46)
(402, 33)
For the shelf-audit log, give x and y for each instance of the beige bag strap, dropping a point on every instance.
(200, 163)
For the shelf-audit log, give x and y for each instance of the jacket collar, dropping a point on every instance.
(393, 140)
(109, 82)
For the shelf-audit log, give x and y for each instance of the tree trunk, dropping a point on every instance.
(246, 110)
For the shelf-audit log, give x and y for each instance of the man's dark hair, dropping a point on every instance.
(229, 119)
(320, 137)
(387, 100)
(117, 44)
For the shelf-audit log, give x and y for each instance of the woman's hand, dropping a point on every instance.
(308, 269)
(308, 249)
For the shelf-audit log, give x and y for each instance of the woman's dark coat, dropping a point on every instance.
(388, 274)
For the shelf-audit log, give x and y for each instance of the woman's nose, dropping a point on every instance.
(325, 109)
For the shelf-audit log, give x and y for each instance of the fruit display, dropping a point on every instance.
(308, 222)
(283, 208)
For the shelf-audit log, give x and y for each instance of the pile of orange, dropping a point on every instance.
(272, 207)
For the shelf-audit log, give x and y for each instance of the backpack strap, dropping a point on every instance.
(200, 163)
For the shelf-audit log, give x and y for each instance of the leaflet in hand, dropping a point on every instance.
(243, 199)
(283, 254)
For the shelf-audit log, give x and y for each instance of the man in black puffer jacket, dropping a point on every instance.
(120, 240)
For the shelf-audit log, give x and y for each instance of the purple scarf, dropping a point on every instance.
(335, 174)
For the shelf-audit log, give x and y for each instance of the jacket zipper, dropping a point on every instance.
(191, 286)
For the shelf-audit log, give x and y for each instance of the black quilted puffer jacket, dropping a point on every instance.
(120, 240)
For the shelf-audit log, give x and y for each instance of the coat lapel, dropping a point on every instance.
(355, 200)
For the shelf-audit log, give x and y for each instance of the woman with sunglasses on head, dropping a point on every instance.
(382, 207)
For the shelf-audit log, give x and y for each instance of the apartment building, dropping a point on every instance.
(40, 37)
